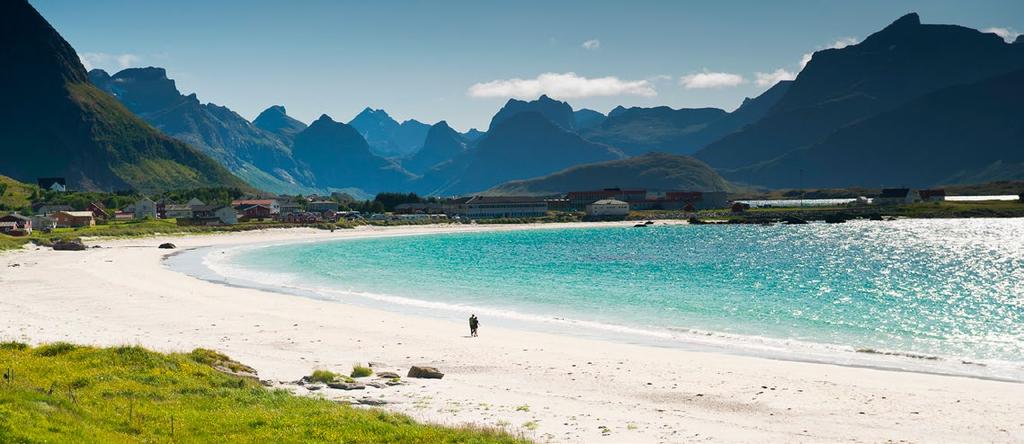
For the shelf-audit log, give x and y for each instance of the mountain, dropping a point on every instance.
(275, 120)
(961, 134)
(587, 118)
(559, 113)
(339, 157)
(54, 122)
(683, 131)
(840, 87)
(641, 130)
(527, 144)
(258, 156)
(655, 171)
(442, 144)
(473, 134)
(386, 136)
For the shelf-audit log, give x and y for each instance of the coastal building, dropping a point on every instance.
(15, 224)
(933, 195)
(74, 219)
(301, 217)
(57, 184)
(288, 206)
(177, 211)
(608, 208)
(492, 207)
(321, 206)
(195, 202)
(99, 211)
(43, 223)
(211, 215)
(897, 196)
(258, 212)
(420, 208)
(272, 204)
(578, 200)
(48, 209)
(144, 208)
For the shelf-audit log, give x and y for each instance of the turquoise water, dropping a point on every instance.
(946, 288)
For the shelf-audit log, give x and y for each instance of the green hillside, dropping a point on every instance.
(14, 195)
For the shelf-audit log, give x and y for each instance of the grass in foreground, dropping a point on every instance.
(66, 393)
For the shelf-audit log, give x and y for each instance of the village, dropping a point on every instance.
(341, 210)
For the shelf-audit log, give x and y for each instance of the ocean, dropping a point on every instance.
(942, 296)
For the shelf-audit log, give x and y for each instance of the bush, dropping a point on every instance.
(13, 345)
(359, 371)
(323, 376)
(55, 349)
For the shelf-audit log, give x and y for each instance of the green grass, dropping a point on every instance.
(323, 376)
(14, 195)
(67, 393)
(359, 371)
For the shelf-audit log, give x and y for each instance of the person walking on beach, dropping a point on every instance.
(473, 324)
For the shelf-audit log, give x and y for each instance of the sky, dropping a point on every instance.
(461, 60)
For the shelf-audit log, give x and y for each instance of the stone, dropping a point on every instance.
(69, 245)
(387, 375)
(341, 385)
(314, 387)
(167, 246)
(373, 402)
(375, 384)
(424, 372)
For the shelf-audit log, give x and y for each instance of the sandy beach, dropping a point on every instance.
(551, 388)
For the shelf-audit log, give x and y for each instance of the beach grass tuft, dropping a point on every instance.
(323, 376)
(67, 393)
(359, 371)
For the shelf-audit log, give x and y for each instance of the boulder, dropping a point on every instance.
(167, 246)
(387, 375)
(314, 387)
(375, 384)
(424, 372)
(69, 245)
(342, 385)
(372, 402)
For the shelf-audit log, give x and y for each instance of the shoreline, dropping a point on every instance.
(574, 389)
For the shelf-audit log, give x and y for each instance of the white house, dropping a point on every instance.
(175, 211)
(608, 208)
(144, 208)
(897, 196)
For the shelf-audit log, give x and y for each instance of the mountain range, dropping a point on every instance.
(913, 104)
(54, 122)
(841, 94)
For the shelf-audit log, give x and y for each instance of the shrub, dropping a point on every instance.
(324, 376)
(13, 345)
(55, 349)
(359, 371)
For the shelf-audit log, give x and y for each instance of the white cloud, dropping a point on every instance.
(110, 62)
(1008, 34)
(592, 45)
(702, 80)
(562, 86)
(838, 44)
(771, 78)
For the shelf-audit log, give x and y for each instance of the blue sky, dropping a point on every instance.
(460, 60)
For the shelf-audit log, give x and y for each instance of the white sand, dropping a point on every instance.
(575, 390)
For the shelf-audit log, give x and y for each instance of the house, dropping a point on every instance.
(48, 209)
(195, 202)
(897, 196)
(490, 207)
(578, 200)
(287, 205)
(99, 211)
(177, 211)
(74, 219)
(321, 206)
(933, 195)
(608, 208)
(299, 217)
(43, 223)
(256, 212)
(57, 184)
(272, 204)
(211, 215)
(739, 207)
(123, 215)
(15, 224)
(144, 208)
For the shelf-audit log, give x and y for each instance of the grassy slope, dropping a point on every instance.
(15, 195)
(64, 393)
